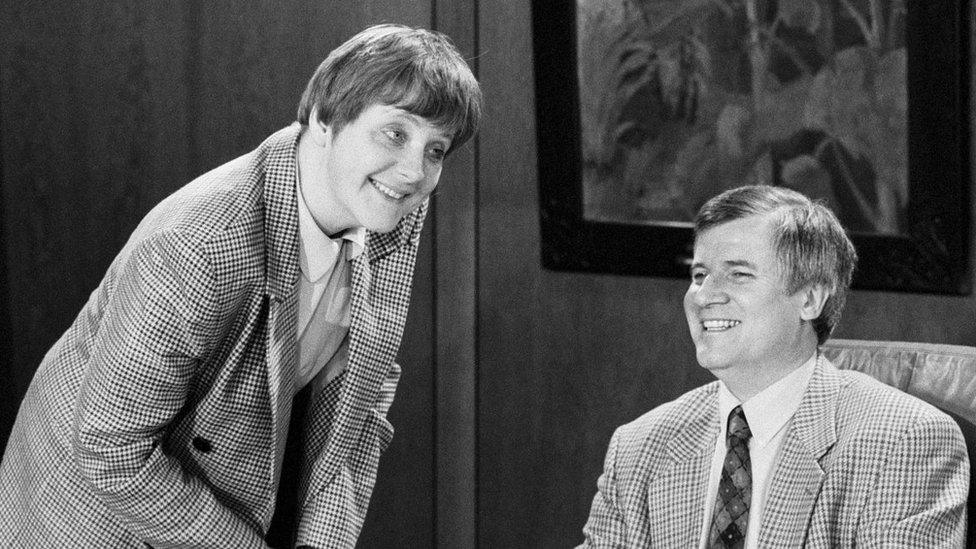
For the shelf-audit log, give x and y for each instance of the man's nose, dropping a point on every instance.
(710, 291)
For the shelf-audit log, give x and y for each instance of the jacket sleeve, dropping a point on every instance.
(157, 311)
(920, 496)
(605, 527)
(334, 514)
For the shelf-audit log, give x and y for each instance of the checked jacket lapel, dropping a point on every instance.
(678, 486)
(677, 479)
(796, 484)
(381, 282)
(281, 277)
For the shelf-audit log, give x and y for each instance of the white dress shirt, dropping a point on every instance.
(324, 295)
(769, 414)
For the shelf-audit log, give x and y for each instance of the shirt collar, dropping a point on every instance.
(770, 409)
(317, 253)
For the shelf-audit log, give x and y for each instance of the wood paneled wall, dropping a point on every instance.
(514, 376)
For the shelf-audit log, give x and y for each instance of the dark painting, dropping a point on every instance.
(662, 104)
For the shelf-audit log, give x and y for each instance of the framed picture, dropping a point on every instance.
(647, 108)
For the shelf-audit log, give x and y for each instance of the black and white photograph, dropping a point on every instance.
(472, 274)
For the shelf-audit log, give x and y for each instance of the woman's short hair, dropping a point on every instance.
(810, 242)
(418, 70)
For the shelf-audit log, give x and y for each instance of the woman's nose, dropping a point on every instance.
(410, 165)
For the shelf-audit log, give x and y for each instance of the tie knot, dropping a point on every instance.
(738, 427)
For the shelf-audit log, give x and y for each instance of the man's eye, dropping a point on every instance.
(698, 277)
(741, 275)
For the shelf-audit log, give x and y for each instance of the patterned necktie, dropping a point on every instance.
(731, 516)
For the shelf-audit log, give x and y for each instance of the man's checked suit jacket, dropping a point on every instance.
(862, 465)
(160, 416)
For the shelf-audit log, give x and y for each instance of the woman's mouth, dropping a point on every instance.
(390, 193)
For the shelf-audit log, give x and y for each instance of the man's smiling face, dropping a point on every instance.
(742, 321)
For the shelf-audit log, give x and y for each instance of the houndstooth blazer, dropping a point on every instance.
(160, 417)
(862, 465)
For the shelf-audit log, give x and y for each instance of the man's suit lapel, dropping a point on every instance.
(677, 489)
(798, 477)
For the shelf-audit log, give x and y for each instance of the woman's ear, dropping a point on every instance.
(320, 132)
(811, 301)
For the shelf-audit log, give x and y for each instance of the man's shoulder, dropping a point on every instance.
(862, 393)
(868, 407)
(666, 420)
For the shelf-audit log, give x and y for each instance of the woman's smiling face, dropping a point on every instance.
(374, 170)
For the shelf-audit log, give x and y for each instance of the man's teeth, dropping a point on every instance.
(386, 190)
(718, 325)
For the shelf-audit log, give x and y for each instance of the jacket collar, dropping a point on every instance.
(795, 485)
(700, 430)
(815, 421)
(814, 424)
(375, 308)
(379, 245)
(280, 211)
(676, 484)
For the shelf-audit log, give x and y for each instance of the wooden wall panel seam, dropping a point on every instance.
(455, 290)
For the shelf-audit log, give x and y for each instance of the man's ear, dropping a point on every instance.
(811, 300)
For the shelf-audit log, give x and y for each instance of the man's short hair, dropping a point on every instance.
(418, 70)
(810, 243)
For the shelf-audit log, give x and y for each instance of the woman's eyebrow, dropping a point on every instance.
(421, 121)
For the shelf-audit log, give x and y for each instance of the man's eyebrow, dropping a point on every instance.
(728, 263)
(739, 263)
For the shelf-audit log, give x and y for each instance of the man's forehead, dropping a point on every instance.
(747, 228)
(736, 241)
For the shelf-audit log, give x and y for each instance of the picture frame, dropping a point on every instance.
(927, 251)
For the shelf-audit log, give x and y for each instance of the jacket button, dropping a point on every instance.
(202, 444)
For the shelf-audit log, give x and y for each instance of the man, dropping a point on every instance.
(161, 417)
(784, 450)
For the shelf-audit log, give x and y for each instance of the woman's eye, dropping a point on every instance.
(436, 154)
(397, 136)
